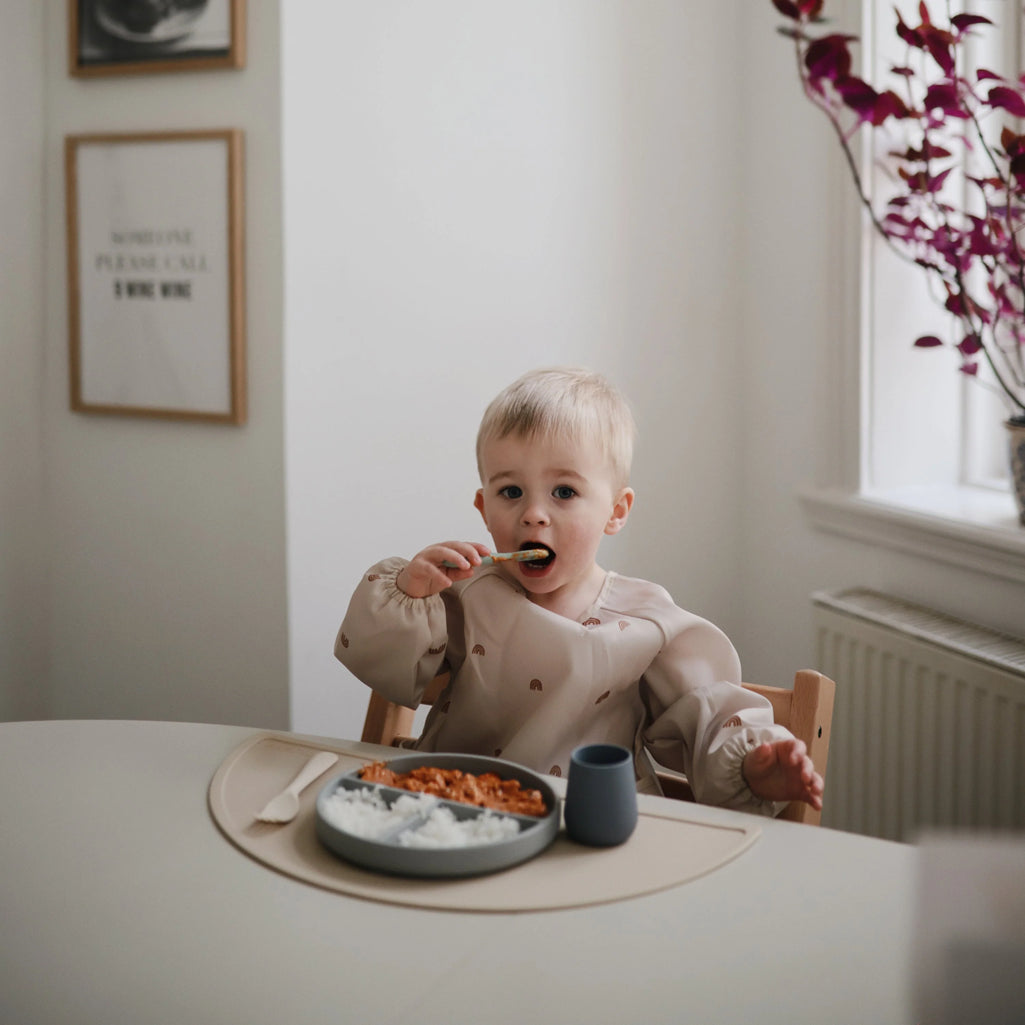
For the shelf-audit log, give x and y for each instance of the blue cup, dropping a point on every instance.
(601, 795)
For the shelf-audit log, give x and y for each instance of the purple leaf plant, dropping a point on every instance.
(949, 116)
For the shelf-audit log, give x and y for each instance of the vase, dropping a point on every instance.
(1016, 432)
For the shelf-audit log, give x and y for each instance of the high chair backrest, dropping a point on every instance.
(806, 710)
(391, 724)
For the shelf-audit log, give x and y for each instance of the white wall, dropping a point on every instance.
(165, 540)
(22, 543)
(483, 188)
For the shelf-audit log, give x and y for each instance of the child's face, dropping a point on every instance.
(555, 494)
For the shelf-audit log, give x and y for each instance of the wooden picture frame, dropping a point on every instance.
(155, 274)
(126, 37)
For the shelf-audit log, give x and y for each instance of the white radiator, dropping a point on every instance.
(929, 720)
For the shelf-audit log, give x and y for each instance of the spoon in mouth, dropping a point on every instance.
(526, 555)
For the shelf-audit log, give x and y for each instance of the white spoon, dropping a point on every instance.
(285, 806)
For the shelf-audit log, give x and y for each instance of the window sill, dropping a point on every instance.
(966, 527)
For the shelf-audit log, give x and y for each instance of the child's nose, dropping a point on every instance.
(535, 514)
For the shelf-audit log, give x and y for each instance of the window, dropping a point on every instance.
(930, 475)
(928, 426)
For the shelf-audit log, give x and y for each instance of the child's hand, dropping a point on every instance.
(425, 575)
(783, 772)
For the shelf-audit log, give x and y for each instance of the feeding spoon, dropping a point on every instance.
(524, 555)
(285, 806)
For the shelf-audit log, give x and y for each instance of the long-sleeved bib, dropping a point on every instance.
(529, 685)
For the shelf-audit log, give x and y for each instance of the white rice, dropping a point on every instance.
(364, 813)
(443, 829)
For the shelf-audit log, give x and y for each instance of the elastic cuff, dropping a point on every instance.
(737, 748)
(387, 581)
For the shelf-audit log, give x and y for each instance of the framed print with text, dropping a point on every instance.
(155, 274)
(124, 37)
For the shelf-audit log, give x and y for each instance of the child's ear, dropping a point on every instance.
(478, 504)
(620, 511)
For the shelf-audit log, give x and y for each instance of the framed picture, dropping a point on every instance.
(155, 274)
(125, 37)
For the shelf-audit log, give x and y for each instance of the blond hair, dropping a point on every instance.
(564, 402)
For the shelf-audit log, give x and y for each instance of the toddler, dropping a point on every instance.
(547, 655)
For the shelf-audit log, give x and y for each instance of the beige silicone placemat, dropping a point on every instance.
(662, 852)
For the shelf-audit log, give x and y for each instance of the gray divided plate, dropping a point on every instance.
(388, 855)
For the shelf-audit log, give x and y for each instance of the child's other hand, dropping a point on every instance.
(783, 772)
(425, 575)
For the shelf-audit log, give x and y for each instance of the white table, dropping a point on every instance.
(121, 903)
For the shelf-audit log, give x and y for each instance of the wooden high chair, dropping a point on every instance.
(806, 710)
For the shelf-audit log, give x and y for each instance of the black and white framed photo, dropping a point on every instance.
(155, 274)
(123, 37)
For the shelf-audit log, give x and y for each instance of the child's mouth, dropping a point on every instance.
(536, 566)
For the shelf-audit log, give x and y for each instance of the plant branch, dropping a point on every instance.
(948, 241)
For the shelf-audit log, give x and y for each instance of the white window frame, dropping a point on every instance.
(941, 516)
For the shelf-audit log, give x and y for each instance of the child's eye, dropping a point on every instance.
(511, 491)
(564, 491)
